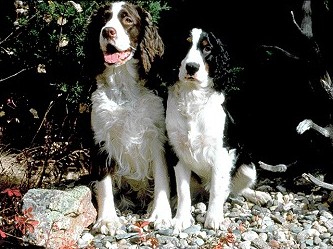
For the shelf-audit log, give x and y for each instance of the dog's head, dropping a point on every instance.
(120, 31)
(206, 62)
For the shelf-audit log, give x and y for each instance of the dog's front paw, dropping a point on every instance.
(107, 226)
(214, 220)
(181, 222)
(161, 217)
(303, 126)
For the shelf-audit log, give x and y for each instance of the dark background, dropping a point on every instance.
(276, 92)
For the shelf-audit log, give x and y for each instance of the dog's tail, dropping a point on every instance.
(245, 177)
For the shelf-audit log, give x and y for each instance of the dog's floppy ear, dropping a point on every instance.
(221, 52)
(221, 70)
(94, 62)
(151, 45)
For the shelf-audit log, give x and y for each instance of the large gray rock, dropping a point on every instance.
(62, 215)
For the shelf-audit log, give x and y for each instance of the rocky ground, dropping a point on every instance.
(299, 216)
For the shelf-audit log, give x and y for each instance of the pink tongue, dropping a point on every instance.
(116, 57)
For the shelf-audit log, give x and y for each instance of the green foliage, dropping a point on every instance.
(48, 38)
(154, 7)
(42, 83)
(73, 92)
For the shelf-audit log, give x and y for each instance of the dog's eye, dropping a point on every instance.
(189, 39)
(207, 49)
(126, 18)
(206, 46)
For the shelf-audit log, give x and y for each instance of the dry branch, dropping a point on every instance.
(317, 182)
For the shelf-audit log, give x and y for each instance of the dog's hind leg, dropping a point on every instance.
(242, 182)
(254, 196)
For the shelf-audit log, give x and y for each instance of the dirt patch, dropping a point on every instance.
(41, 167)
(12, 172)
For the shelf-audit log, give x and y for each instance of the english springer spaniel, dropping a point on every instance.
(196, 121)
(127, 118)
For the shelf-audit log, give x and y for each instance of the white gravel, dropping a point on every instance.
(293, 219)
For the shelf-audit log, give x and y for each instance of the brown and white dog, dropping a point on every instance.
(196, 120)
(128, 119)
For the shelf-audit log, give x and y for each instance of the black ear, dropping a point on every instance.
(220, 65)
(94, 62)
(151, 46)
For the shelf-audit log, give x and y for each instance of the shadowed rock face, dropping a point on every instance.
(61, 215)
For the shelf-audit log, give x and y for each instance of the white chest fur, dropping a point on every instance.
(195, 122)
(129, 119)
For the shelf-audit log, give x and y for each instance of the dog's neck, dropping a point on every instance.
(114, 74)
(193, 90)
(121, 82)
(191, 98)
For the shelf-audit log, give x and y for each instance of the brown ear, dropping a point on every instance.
(151, 44)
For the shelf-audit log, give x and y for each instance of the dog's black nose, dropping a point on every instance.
(192, 68)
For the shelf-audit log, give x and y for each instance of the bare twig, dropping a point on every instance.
(17, 29)
(15, 32)
(273, 168)
(39, 180)
(43, 121)
(317, 182)
(15, 74)
(283, 51)
(294, 21)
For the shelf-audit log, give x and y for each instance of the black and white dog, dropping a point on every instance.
(196, 122)
(128, 119)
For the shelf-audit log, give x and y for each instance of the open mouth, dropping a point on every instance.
(113, 56)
